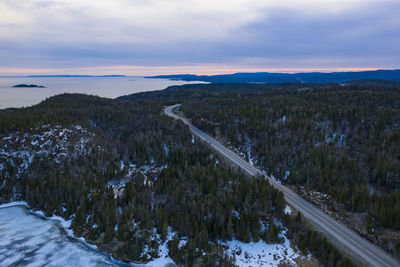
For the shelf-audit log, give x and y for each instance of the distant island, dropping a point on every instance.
(311, 77)
(28, 86)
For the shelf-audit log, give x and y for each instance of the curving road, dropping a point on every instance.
(358, 247)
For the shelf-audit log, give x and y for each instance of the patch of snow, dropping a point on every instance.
(25, 146)
(371, 189)
(236, 214)
(248, 149)
(166, 150)
(275, 179)
(287, 173)
(251, 160)
(288, 210)
(162, 260)
(216, 162)
(340, 138)
(182, 242)
(13, 204)
(145, 168)
(261, 253)
(33, 142)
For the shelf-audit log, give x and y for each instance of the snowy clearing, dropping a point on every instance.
(262, 254)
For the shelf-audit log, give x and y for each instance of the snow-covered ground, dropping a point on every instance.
(19, 149)
(263, 254)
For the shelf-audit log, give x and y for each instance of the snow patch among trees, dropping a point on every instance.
(262, 254)
(19, 150)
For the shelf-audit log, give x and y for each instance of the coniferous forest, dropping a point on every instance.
(342, 141)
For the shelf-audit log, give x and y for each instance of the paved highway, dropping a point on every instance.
(355, 245)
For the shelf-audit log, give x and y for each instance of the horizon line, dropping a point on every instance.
(128, 71)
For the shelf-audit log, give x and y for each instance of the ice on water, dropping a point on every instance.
(27, 240)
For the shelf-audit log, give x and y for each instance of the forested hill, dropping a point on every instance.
(338, 146)
(135, 183)
(178, 93)
(266, 77)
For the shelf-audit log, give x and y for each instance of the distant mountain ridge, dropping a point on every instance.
(267, 77)
(68, 76)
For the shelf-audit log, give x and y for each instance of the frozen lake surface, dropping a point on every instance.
(28, 240)
(110, 87)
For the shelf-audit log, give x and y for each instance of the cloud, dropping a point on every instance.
(130, 21)
(258, 33)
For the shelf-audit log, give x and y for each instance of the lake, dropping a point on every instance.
(110, 87)
(28, 240)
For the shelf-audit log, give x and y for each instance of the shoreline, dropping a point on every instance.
(63, 225)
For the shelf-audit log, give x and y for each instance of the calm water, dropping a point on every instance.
(110, 87)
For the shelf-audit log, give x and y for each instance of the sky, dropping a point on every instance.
(149, 37)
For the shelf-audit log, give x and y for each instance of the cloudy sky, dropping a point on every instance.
(141, 37)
